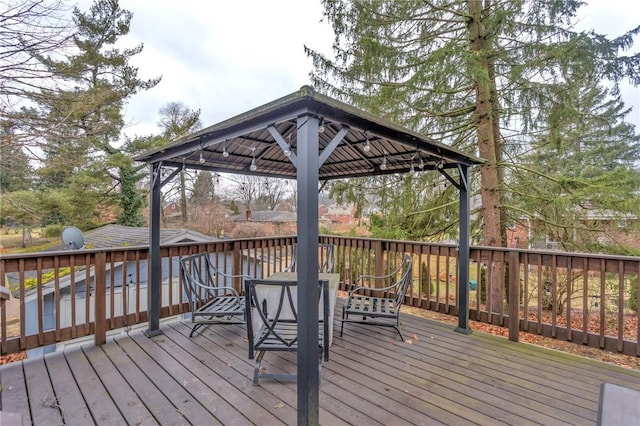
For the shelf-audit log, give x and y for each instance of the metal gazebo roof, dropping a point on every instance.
(269, 132)
(311, 138)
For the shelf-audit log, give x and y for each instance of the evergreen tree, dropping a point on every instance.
(464, 72)
(79, 121)
(581, 174)
(203, 189)
(15, 171)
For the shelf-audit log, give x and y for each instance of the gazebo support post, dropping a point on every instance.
(307, 356)
(153, 261)
(463, 253)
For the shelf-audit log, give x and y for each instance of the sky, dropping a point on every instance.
(226, 57)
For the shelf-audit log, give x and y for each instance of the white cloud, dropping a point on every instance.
(225, 57)
(221, 57)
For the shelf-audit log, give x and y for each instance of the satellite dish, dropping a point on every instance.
(72, 238)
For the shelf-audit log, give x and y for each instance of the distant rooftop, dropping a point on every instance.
(113, 236)
(266, 216)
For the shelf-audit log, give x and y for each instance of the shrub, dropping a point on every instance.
(426, 279)
(52, 231)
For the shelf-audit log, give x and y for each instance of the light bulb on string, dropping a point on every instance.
(367, 145)
(225, 153)
(383, 166)
(287, 151)
(253, 167)
(201, 159)
(321, 127)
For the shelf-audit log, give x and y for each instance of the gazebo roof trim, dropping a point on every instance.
(231, 145)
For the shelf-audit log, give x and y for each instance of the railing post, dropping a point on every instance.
(100, 299)
(378, 262)
(4, 296)
(236, 265)
(514, 296)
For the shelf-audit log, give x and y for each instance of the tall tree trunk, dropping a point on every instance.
(488, 142)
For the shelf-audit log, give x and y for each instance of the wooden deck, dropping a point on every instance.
(441, 377)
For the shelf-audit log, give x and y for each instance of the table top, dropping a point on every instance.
(334, 279)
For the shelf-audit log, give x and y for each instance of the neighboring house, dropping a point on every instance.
(608, 227)
(172, 209)
(108, 237)
(274, 222)
(286, 223)
(336, 213)
(613, 228)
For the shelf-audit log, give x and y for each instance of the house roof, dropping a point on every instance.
(266, 216)
(117, 236)
(366, 144)
(112, 236)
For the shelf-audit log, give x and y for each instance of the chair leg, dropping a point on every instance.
(194, 328)
(256, 368)
(398, 328)
(343, 318)
(399, 332)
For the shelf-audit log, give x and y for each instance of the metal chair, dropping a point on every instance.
(211, 298)
(326, 258)
(273, 306)
(379, 311)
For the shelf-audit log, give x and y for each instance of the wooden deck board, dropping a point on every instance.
(160, 375)
(221, 372)
(129, 403)
(41, 396)
(14, 391)
(440, 377)
(197, 385)
(340, 413)
(381, 370)
(103, 409)
(160, 407)
(67, 391)
(452, 370)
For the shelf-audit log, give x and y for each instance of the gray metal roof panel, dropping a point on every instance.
(247, 134)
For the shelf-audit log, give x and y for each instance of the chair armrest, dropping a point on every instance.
(364, 288)
(381, 277)
(216, 288)
(232, 276)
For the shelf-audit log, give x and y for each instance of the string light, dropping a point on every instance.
(253, 167)
(383, 166)
(421, 164)
(367, 145)
(321, 127)
(225, 153)
(287, 151)
(201, 160)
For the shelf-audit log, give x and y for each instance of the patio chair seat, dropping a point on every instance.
(383, 309)
(211, 297)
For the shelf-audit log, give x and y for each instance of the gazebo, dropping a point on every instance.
(311, 138)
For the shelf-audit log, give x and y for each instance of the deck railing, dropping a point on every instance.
(582, 298)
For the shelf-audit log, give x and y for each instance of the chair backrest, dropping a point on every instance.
(326, 258)
(405, 279)
(274, 304)
(199, 278)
